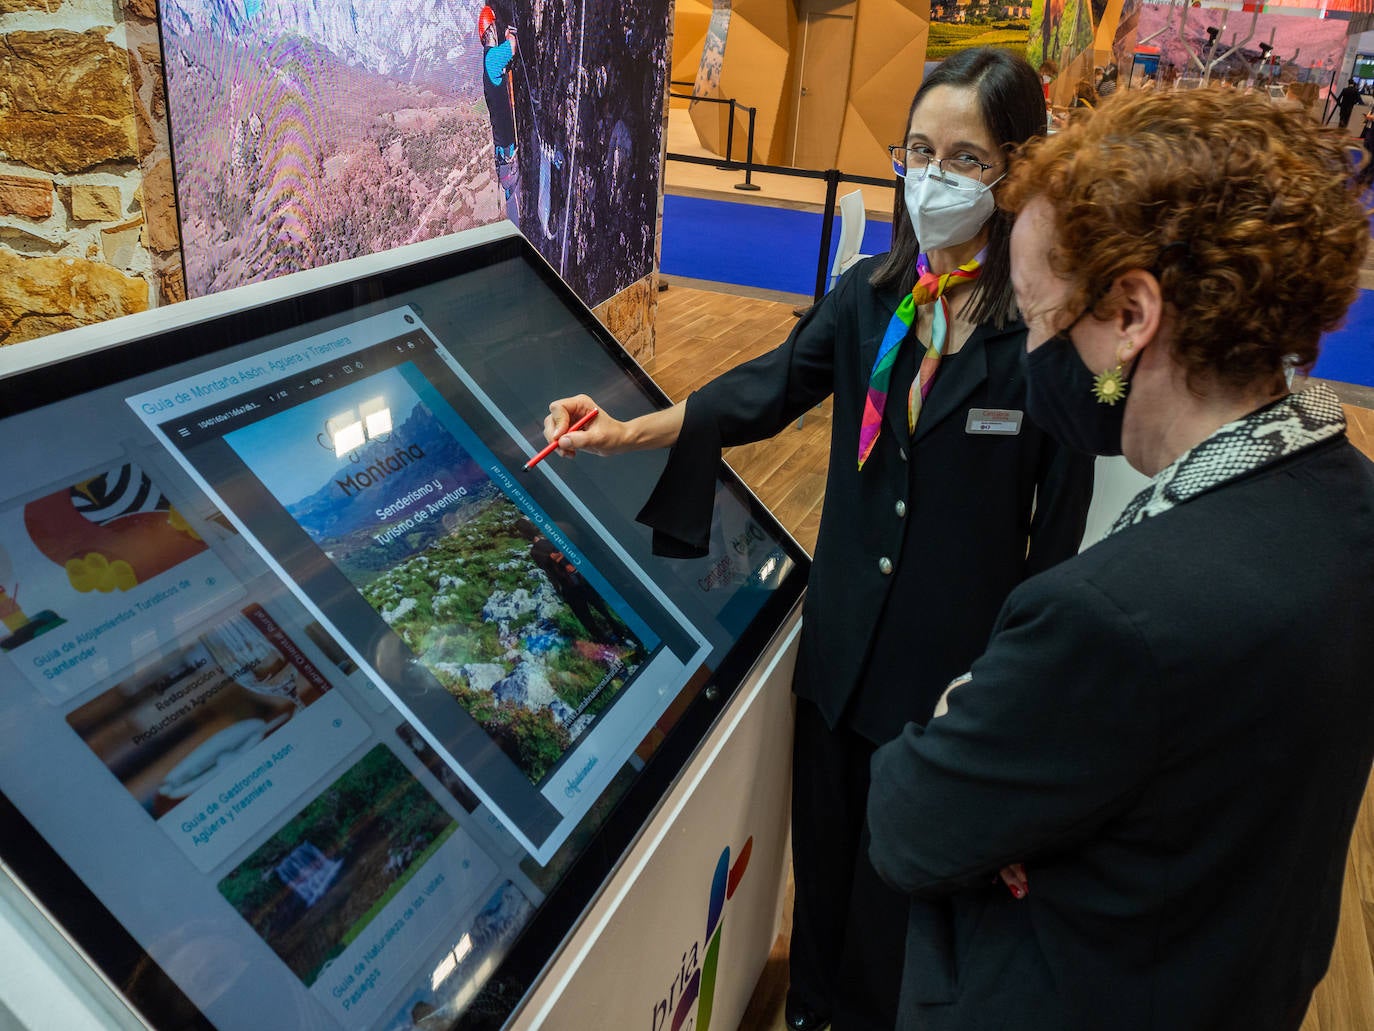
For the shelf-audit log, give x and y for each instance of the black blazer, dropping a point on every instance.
(1173, 731)
(958, 518)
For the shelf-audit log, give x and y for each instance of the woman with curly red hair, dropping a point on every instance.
(1163, 748)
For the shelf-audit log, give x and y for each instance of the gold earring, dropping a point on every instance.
(1109, 386)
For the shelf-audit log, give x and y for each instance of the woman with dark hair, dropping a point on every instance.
(940, 498)
(1163, 748)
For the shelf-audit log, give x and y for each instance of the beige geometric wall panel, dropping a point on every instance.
(889, 61)
(754, 72)
(1065, 86)
(690, 18)
(1106, 32)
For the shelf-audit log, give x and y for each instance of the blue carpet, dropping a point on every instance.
(1347, 355)
(751, 244)
(776, 249)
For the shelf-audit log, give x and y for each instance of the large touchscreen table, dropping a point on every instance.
(320, 711)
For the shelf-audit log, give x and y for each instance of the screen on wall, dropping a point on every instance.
(305, 132)
(322, 712)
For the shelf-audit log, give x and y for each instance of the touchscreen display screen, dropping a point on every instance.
(319, 710)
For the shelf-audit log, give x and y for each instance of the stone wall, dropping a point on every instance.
(629, 315)
(88, 227)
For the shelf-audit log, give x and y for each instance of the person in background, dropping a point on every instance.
(499, 92)
(1139, 800)
(1366, 176)
(1048, 71)
(940, 497)
(1347, 102)
(1085, 95)
(1106, 85)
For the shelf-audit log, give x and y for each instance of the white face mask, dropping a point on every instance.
(943, 215)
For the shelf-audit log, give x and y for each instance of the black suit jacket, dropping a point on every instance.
(1173, 731)
(979, 512)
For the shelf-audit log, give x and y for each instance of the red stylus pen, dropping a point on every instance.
(553, 445)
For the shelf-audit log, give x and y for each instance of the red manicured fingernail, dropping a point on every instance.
(1017, 891)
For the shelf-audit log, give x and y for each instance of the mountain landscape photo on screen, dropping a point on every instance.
(309, 131)
(503, 617)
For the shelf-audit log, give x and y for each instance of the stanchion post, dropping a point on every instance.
(729, 139)
(748, 183)
(832, 187)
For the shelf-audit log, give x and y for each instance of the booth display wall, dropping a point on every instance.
(589, 85)
(752, 51)
(1317, 43)
(1062, 31)
(1124, 38)
(309, 133)
(890, 49)
(87, 219)
(89, 227)
(691, 18)
(955, 27)
(756, 52)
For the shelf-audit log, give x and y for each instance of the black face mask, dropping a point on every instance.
(1060, 398)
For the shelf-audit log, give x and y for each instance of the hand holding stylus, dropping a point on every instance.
(605, 435)
(580, 424)
(567, 428)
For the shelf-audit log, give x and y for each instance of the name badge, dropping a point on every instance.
(1005, 422)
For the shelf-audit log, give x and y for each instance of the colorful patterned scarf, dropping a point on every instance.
(928, 289)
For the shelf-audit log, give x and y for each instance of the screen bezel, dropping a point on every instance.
(95, 357)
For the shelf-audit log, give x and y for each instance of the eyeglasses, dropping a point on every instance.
(916, 162)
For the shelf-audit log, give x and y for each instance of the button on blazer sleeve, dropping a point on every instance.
(1054, 735)
(750, 402)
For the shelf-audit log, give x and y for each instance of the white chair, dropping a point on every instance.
(851, 235)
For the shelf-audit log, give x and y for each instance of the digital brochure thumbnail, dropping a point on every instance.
(178, 723)
(455, 984)
(477, 586)
(314, 887)
(85, 571)
(108, 532)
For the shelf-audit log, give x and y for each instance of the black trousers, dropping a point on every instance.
(848, 928)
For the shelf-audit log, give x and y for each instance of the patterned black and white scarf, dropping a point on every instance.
(1275, 431)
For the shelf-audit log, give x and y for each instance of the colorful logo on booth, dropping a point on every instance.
(693, 990)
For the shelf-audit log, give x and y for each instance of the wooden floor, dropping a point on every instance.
(701, 333)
